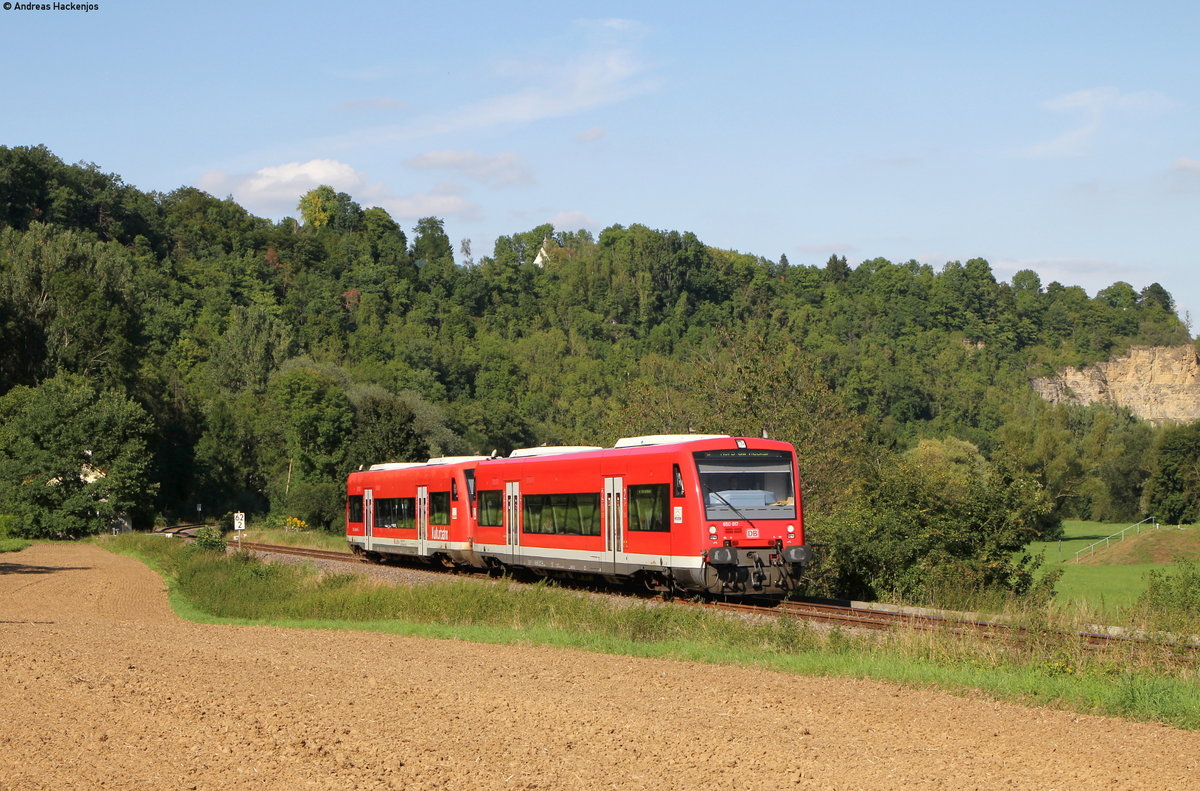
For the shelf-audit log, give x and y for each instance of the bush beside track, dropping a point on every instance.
(1138, 682)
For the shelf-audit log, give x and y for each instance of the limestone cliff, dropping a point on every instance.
(1157, 383)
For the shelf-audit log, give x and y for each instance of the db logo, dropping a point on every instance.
(752, 532)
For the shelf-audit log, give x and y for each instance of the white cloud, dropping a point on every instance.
(590, 135)
(367, 73)
(613, 23)
(1071, 143)
(826, 249)
(598, 74)
(502, 170)
(374, 103)
(573, 221)
(592, 79)
(1096, 106)
(1106, 99)
(275, 190)
(1185, 175)
(445, 200)
(1091, 273)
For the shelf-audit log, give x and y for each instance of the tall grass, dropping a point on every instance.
(1048, 666)
(1171, 601)
(8, 543)
(312, 539)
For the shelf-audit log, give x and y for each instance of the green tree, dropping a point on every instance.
(325, 207)
(309, 411)
(748, 385)
(384, 429)
(72, 458)
(1173, 492)
(254, 345)
(836, 269)
(938, 516)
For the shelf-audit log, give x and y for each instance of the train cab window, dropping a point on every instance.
(562, 514)
(439, 508)
(491, 509)
(395, 512)
(747, 484)
(677, 477)
(454, 489)
(354, 508)
(649, 508)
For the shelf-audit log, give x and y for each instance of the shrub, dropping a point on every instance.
(209, 539)
(320, 505)
(1172, 598)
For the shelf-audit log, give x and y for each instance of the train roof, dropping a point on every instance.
(664, 439)
(552, 450)
(637, 445)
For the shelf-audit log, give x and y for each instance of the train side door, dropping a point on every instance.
(368, 516)
(422, 518)
(512, 519)
(614, 518)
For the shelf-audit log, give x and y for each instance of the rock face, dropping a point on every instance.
(1160, 384)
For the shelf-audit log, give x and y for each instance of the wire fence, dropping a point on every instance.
(1118, 536)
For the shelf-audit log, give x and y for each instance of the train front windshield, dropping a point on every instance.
(747, 484)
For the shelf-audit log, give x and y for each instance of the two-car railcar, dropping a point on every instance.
(713, 514)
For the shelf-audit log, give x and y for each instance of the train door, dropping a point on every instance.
(614, 518)
(368, 517)
(422, 519)
(512, 519)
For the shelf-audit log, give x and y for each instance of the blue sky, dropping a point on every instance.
(1060, 137)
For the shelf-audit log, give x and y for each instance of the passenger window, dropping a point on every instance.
(439, 508)
(355, 508)
(491, 509)
(394, 512)
(649, 508)
(562, 514)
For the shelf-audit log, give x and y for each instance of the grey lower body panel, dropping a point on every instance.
(741, 572)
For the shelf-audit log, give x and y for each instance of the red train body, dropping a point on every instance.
(713, 514)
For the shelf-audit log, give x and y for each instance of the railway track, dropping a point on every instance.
(860, 617)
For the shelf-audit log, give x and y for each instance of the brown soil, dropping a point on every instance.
(103, 687)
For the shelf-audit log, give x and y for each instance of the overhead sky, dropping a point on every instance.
(1062, 137)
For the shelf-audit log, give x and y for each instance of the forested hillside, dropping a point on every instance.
(160, 352)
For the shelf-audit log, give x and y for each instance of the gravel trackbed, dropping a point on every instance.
(103, 687)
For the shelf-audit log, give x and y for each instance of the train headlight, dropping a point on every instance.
(791, 531)
(712, 530)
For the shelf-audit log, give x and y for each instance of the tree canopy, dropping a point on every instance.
(258, 362)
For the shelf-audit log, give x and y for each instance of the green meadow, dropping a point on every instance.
(1108, 578)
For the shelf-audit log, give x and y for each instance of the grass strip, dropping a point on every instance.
(14, 544)
(1049, 669)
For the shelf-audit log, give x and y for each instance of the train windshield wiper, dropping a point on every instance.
(732, 507)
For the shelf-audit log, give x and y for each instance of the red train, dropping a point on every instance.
(676, 513)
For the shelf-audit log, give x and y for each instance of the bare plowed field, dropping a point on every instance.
(102, 687)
